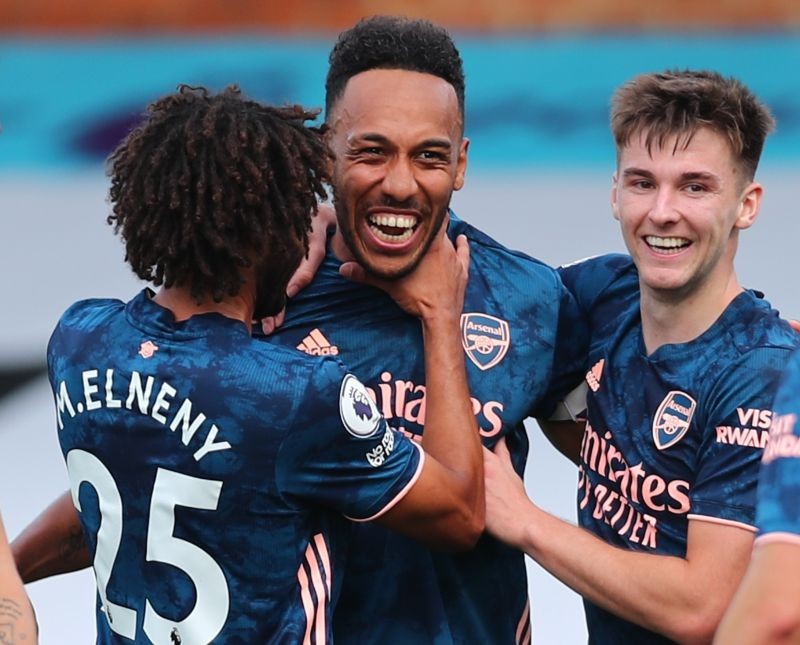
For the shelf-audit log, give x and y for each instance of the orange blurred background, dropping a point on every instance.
(303, 16)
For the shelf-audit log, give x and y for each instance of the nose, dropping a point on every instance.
(399, 182)
(663, 209)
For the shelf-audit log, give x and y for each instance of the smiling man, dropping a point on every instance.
(395, 169)
(685, 363)
(395, 125)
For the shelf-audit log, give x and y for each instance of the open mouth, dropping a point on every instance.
(667, 245)
(392, 228)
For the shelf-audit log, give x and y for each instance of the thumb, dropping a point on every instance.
(501, 450)
(355, 272)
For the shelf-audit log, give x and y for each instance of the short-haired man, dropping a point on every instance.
(766, 608)
(212, 471)
(685, 363)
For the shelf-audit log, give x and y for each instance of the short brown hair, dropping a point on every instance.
(676, 103)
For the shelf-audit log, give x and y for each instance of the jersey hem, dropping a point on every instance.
(719, 520)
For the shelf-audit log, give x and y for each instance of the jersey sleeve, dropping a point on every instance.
(340, 453)
(778, 510)
(570, 354)
(589, 280)
(736, 432)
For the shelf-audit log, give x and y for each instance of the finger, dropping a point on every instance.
(795, 325)
(280, 317)
(268, 325)
(462, 251)
(321, 222)
(501, 450)
(327, 215)
(300, 280)
(355, 272)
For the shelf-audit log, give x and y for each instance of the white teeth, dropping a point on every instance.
(405, 222)
(391, 238)
(395, 221)
(666, 243)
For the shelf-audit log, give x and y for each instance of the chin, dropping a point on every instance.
(391, 270)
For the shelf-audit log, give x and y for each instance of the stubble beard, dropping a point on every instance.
(351, 240)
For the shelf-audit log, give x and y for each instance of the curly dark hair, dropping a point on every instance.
(392, 42)
(211, 183)
(676, 103)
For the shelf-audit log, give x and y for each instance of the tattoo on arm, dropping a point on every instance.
(73, 544)
(13, 629)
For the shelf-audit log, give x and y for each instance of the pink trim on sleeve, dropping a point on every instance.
(402, 493)
(719, 520)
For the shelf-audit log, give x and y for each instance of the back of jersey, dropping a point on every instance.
(172, 434)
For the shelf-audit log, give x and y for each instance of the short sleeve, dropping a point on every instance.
(737, 431)
(570, 354)
(340, 453)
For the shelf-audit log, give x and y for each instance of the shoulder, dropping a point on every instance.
(91, 310)
(487, 255)
(599, 272)
(602, 285)
(755, 329)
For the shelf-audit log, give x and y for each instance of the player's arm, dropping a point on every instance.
(766, 608)
(17, 622)
(445, 507)
(682, 598)
(564, 436)
(53, 543)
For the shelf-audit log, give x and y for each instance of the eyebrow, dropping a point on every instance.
(686, 176)
(375, 137)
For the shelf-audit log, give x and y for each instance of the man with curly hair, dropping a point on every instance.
(212, 472)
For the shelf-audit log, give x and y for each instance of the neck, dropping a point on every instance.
(340, 248)
(669, 318)
(184, 305)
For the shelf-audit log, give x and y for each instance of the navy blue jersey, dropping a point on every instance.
(524, 347)
(778, 516)
(207, 467)
(674, 435)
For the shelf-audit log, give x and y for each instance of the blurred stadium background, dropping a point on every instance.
(74, 77)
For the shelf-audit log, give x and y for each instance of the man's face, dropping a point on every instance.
(680, 208)
(399, 155)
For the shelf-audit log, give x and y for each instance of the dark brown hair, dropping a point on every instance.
(208, 183)
(677, 103)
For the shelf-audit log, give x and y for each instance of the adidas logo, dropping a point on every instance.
(594, 374)
(317, 345)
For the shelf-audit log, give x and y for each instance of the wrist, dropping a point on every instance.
(439, 317)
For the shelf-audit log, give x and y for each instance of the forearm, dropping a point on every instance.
(666, 594)
(52, 544)
(766, 607)
(451, 432)
(564, 436)
(16, 613)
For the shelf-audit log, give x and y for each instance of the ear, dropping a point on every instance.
(614, 206)
(461, 164)
(750, 205)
